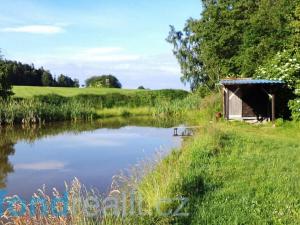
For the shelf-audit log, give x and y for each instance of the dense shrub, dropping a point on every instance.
(104, 81)
(295, 108)
(283, 66)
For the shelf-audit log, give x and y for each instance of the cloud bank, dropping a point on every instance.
(35, 29)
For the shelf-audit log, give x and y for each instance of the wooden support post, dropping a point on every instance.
(227, 104)
(224, 99)
(273, 107)
(176, 131)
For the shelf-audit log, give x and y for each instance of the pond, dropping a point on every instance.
(93, 152)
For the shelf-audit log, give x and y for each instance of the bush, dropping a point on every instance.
(283, 66)
(279, 122)
(104, 81)
(295, 108)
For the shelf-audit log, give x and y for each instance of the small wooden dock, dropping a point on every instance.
(184, 131)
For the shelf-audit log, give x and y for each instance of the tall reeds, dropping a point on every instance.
(32, 111)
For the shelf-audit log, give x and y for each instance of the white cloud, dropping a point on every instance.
(83, 56)
(35, 29)
(153, 71)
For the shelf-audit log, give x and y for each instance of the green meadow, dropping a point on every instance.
(30, 91)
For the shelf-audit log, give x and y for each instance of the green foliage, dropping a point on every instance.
(141, 88)
(47, 79)
(25, 74)
(65, 81)
(5, 86)
(104, 81)
(110, 100)
(295, 108)
(283, 66)
(231, 39)
(32, 111)
(295, 26)
(279, 122)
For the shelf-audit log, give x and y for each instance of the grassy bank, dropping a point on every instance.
(233, 174)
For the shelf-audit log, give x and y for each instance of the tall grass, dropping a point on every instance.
(79, 212)
(31, 111)
(193, 106)
(45, 108)
(110, 100)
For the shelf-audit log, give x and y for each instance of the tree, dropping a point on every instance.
(47, 79)
(295, 26)
(231, 39)
(76, 83)
(141, 87)
(65, 81)
(104, 81)
(5, 86)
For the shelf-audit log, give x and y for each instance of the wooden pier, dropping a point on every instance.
(184, 131)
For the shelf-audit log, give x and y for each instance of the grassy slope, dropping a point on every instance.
(30, 91)
(233, 173)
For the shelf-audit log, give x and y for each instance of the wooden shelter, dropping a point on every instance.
(249, 99)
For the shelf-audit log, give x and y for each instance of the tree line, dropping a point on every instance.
(18, 73)
(242, 38)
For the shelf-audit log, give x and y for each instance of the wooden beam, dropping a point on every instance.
(273, 107)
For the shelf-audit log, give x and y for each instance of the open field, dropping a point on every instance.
(30, 91)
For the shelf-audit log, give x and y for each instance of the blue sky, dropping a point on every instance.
(81, 38)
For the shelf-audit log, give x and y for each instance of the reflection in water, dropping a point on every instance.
(30, 134)
(93, 151)
(6, 149)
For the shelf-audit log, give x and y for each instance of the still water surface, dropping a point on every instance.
(92, 152)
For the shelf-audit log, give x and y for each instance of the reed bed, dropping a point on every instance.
(32, 111)
(189, 105)
(53, 107)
